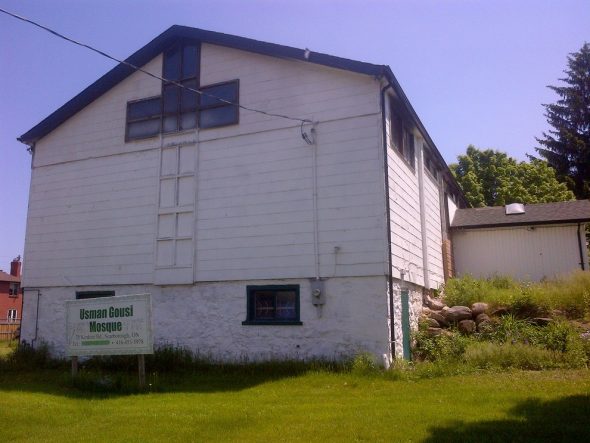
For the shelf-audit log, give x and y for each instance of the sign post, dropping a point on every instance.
(119, 325)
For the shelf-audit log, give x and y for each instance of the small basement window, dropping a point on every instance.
(272, 305)
(215, 112)
(143, 118)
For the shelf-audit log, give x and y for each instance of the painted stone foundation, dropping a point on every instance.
(207, 318)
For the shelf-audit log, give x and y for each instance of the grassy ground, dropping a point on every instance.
(316, 406)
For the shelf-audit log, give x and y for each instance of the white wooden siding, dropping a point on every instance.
(522, 252)
(99, 205)
(91, 221)
(404, 202)
(433, 230)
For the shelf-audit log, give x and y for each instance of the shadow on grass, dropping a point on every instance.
(566, 419)
(95, 383)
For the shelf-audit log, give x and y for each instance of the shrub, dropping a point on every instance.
(438, 348)
(25, 356)
(488, 355)
(363, 364)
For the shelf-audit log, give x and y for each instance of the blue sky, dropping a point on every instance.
(476, 71)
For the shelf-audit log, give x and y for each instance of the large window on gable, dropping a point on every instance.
(272, 305)
(179, 107)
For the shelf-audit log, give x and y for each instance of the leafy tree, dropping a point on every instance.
(492, 178)
(567, 146)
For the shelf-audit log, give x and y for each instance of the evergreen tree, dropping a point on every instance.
(492, 178)
(567, 146)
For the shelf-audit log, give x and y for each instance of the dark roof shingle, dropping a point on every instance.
(577, 211)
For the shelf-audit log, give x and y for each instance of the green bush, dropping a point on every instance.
(488, 355)
(569, 294)
(25, 356)
(447, 346)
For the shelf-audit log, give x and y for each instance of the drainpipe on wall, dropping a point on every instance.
(388, 226)
(581, 248)
(423, 216)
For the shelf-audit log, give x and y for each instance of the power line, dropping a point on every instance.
(137, 68)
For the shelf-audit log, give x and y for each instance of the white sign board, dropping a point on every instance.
(109, 325)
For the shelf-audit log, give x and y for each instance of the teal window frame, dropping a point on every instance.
(251, 318)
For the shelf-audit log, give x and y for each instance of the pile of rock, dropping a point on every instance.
(467, 319)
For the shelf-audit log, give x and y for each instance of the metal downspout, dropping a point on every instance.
(388, 221)
(582, 265)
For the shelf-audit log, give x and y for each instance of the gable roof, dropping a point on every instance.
(577, 211)
(168, 37)
(8, 277)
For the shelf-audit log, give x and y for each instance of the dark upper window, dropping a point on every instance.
(80, 295)
(214, 112)
(143, 118)
(430, 164)
(273, 305)
(13, 289)
(179, 108)
(402, 139)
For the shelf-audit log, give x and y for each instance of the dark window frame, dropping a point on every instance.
(220, 105)
(82, 295)
(430, 165)
(251, 305)
(153, 117)
(402, 138)
(183, 80)
(13, 289)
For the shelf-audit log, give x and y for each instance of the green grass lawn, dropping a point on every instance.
(316, 406)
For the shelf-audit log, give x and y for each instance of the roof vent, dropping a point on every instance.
(514, 208)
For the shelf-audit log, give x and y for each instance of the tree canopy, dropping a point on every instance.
(567, 146)
(492, 178)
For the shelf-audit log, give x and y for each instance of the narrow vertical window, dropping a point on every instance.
(179, 109)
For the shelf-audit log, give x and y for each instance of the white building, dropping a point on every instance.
(527, 242)
(231, 216)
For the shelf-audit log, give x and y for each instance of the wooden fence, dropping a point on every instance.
(9, 330)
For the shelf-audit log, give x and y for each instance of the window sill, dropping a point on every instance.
(271, 323)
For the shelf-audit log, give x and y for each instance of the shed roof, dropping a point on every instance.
(577, 211)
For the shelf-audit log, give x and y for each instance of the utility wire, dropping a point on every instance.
(137, 68)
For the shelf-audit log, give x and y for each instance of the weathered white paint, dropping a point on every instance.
(207, 318)
(432, 217)
(526, 253)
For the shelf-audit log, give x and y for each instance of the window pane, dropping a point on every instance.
(228, 91)
(166, 225)
(169, 163)
(189, 98)
(143, 109)
(142, 129)
(227, 115)
(172, 63)
(167, 193)
(187, 159)
(165, 253)
(170, 123)
(171, 99)
(285, 302)
(264, 305)
(184, 253)
(185, 224)
(186, 195)
(189, 62)
(188, 121)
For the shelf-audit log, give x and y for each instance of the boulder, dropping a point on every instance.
(458, 313)
(485, 326)
(433, 332)
(481, 318)
(434, 304)
(432, 322)
(467, 326)
(500, 312)
(478, 308)
(439, 318)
